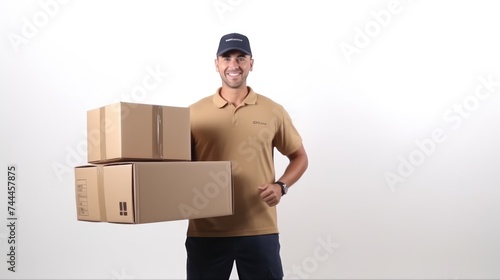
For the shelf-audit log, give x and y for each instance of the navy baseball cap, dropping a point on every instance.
(234, 41)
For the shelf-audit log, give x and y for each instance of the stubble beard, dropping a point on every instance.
(234, 84)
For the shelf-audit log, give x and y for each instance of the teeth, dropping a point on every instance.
(233, 74)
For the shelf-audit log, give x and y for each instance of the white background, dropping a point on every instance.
(363, 114)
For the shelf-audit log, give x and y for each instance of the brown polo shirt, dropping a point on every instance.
(246, 136)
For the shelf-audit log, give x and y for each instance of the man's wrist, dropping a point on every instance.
(284, 187)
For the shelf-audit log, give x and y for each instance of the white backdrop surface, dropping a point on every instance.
(397, 102)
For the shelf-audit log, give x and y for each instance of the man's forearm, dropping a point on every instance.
(296, 167)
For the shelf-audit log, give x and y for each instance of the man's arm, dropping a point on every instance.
(271, 193)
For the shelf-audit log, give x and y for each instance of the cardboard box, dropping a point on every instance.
(89, 193)
(146, 192)
(130, 131)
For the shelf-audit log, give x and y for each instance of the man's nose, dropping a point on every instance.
(233, 62)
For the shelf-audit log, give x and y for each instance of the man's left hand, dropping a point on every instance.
(270, 194)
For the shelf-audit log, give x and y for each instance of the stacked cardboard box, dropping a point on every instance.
(140, 168)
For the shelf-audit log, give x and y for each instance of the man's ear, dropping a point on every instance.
(216, 63)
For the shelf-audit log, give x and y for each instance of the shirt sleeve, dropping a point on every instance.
(287, 139)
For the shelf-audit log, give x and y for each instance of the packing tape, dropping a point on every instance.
(102, 132)
(157, 131)
(100, 190)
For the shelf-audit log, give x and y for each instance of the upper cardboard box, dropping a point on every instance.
(129, 131)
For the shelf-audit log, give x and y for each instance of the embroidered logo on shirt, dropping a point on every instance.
(259, 123)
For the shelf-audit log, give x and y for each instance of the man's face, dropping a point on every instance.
(233, 68)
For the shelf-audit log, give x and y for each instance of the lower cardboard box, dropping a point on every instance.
(89, 193)
(146, 192)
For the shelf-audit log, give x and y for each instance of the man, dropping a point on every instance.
(238, 125)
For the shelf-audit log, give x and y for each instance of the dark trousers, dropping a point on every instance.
(256, 257)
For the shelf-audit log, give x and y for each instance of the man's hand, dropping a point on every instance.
(270, 194)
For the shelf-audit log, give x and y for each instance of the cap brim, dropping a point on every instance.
(232, 49)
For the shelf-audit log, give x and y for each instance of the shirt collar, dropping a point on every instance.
(220, 102)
